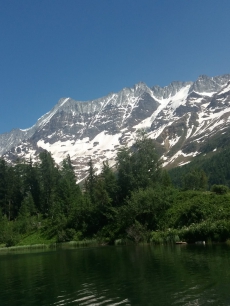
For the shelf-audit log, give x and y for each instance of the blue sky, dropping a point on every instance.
(85, 49)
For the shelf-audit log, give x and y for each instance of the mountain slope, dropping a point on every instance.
(181, 118)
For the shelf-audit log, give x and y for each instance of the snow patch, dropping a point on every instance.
(224, 90)
(209, 94)
(103, 146)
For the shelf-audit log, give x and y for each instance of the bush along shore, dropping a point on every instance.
(41, 206)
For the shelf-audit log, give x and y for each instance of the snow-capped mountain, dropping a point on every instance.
(180, 117)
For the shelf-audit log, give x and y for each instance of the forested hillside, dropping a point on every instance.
(41, 202)
(216, 167)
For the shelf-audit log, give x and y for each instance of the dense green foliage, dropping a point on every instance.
(136, 202)
(215, 165)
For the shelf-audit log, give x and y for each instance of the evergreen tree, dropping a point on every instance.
(102, 204)
(165, 179)
(48, 181)
(33, 183)
(11, 190)
(69, 192)
(25, 220)
(28, 207)
(90, 182)
(3, 186)
(16, 188)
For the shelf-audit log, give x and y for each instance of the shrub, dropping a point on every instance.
(12, 240)
(169, 236)
(66, 235)
(218, 231)
(219, 189)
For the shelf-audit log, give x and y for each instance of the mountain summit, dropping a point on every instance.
(180, 118)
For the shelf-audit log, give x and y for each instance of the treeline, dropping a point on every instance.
(39, 188)
(136, 201)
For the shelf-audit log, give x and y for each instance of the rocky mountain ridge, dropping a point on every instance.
(180, 118)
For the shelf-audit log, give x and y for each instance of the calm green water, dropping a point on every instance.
(136, 275)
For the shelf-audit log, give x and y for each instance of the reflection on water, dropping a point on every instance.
(89, 296)
(134, 275)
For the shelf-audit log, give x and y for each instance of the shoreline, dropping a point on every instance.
(51, 246)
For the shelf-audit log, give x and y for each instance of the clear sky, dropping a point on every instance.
(85, 49)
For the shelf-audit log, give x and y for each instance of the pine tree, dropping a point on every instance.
(48, 181)
(11, 190)
(68, 191)
(90, 182)
(32, 183)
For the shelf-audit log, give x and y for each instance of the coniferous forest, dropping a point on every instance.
(137, 201)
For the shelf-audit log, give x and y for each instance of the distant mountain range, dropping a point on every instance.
(182, 118)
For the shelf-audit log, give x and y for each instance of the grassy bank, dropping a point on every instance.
(38, 240)
(27, 247)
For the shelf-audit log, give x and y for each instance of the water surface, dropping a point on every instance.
(131, 275)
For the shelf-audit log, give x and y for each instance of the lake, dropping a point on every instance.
(126, 275)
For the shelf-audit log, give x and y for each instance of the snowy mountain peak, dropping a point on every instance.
(178, 117)
(170, 90)
(205, 84)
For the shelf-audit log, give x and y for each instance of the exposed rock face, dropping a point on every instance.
(179, 117)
